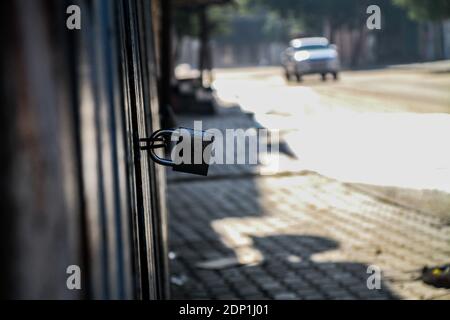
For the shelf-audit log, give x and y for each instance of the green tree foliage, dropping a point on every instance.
(426, 9)
(314, 13)
(186, 21)
(315, 17)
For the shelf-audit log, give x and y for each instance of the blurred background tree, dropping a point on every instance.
(426, 10)
(186, 22)
(324, 17)
(317, 14)
(254, 32)
(200, 21)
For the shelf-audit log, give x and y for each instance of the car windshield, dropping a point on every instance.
(314, 47)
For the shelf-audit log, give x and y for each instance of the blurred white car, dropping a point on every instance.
(311, 56)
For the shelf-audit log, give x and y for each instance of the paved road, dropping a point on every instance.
(293, 236)
(409, 88)
(387, 130)
(247, 233)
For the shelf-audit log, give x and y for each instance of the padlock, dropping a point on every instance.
(198, 148)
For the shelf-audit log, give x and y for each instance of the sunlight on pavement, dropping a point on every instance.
(332, 137)
(380, 149)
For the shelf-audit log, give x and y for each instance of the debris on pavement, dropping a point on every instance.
(172, 255)
(244, 257)
(438, 277)
(179, 280)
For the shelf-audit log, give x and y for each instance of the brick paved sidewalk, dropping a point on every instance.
(313, 237)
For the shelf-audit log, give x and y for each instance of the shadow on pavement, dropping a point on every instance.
(238, 234)
(288, 271)
(231, 238)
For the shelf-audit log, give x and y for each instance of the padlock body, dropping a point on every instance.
(198, 169)
(197, 138)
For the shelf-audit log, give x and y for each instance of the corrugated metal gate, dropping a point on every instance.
(76, 187)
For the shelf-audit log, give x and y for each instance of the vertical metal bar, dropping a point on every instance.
(166, 57)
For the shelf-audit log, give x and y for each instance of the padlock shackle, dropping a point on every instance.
(153, 155)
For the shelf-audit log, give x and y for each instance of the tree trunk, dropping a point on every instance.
(358, 47)
(203, 22)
